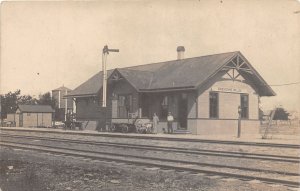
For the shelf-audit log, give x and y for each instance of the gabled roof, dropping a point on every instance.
(188, 72)
(177, 74)
(36, 108)
(138, 79)
(90, 87)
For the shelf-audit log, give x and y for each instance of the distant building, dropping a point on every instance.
(61, 103)
(32, 116)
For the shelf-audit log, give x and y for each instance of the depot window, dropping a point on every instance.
(244, 106)
(124, 105)
(213, 105)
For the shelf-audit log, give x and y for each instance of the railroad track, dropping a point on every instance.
(290, 179)
(132, 136)
(230, 154)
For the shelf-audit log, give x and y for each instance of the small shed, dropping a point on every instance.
(34, 116)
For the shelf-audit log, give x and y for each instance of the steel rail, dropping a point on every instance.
(170, 160)
(278, 158)
(87, 154)
(131, 136)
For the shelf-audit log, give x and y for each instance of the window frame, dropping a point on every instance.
(125, 104)
(244, 113)
(211, 116)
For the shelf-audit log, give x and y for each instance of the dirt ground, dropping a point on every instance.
(32, 171)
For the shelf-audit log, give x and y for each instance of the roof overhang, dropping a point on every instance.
(263, 87)
(188, 88)
(79, 96)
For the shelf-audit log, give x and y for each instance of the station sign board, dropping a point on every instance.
(228, 90)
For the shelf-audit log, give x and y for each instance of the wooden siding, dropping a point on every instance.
(203, 105)
(122, 87)
(228, 101)
(12, 117)
(90, 108)
(221, 127)
(253, 106)
(228, 105)
(37, 119)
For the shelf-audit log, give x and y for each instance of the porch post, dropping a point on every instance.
(139, 105)
(239, 122)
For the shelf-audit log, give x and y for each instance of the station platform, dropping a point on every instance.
(251, 138)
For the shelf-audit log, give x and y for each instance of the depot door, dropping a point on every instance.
(182, 111)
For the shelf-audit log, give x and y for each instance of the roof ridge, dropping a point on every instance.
(134, 70)
(180, 59)
(130, 67)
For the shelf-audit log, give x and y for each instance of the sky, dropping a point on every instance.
(45, 45)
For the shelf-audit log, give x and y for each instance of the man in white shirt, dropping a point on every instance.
(170, 120)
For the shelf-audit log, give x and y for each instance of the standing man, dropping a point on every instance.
(155, 123)
(170, 120)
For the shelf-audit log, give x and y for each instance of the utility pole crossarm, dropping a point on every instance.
(106, 50)
(113, 50)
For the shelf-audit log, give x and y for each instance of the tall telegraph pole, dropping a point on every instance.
(105, 52)
(0, 110)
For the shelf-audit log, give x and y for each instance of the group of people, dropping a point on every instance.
(170, 120)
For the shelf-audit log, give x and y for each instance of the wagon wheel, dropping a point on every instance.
(137, 129)
(125, 128)
(113, 128)
(72, 126)
(63, 125)
(148, 130)
(138, 125)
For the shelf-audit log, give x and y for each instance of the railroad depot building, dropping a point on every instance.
(203, 94)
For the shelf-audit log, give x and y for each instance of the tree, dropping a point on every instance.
(281, 114)
(11, 100)
(27, 99)
(46, 99)
(9, 103)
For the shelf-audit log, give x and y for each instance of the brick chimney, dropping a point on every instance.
(180, 52)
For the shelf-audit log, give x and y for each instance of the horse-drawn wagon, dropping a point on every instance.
(134, 124)
(71, 122)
